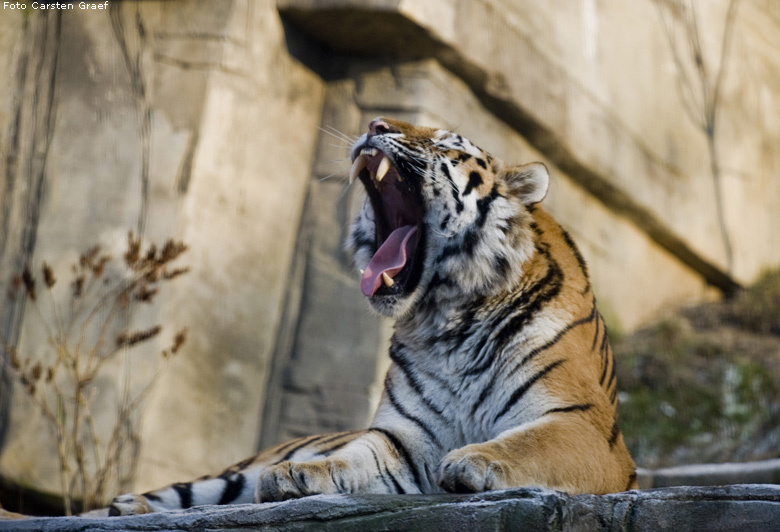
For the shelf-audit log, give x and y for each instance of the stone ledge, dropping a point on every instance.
(729, 508)
(760, 472)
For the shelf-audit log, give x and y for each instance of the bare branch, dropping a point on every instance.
(728, 31)
(684, 83)
(710, 93)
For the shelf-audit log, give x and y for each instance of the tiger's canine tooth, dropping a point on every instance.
(384, 166)
(362, 272)
(357, 166)
(387, 279)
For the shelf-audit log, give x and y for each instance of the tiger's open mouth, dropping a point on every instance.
(396, 265)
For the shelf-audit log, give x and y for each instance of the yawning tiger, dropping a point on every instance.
(502, 375)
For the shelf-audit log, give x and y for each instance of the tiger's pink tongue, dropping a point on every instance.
(390, 258)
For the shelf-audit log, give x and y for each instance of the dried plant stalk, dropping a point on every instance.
(81, 343)
(701, 91)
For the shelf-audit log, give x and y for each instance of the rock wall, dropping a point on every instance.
(226, 123)
(569, 79)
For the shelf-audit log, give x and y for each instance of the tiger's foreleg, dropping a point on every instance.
(235, 485)
(375, 461)
(561, 451)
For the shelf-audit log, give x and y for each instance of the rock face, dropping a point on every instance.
(745, 508)
(136, 139)
(226, 124)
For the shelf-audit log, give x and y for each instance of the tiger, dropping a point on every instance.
(501, 371)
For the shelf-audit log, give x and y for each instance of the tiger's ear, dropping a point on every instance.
(529, 182)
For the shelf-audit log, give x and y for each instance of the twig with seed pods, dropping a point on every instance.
(82, 340)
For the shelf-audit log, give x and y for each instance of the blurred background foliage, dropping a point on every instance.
(703, 384)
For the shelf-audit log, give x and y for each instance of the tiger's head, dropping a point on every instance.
(442, 218)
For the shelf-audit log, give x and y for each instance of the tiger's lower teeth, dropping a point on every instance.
(387, 279)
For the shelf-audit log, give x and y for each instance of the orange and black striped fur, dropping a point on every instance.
(501, 376)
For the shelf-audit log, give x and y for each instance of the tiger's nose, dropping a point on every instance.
(377, 127)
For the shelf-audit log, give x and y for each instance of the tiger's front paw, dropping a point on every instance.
(289, 480)
(469, 470)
